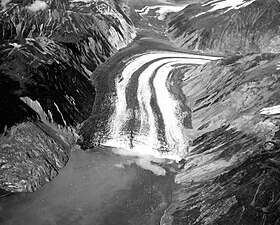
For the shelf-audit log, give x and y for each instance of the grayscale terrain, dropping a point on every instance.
(126, 112)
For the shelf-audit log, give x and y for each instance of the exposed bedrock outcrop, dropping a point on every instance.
(231, 175)
(219, 28)
(47, 54)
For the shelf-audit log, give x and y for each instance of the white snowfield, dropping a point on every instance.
(37, 5)
(278, 66)
(227, 4)
(271, 110)
(151, 83)
(161, 10)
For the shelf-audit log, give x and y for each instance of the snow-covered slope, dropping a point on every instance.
(227, 26)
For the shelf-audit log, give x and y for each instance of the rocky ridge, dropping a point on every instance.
(227, 27)
(231, 172)
(48, 52)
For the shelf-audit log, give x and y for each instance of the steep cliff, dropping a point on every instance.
(231, 175)
(47, 54)
(227, 27)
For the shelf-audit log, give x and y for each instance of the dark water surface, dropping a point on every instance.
(95, 188)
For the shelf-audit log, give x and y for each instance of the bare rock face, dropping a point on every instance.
(231, 175)
(218, 27)
(48, 50)
(32, 153)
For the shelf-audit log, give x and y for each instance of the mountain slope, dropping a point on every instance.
(47, 54)
(227, 27)
(231, 175)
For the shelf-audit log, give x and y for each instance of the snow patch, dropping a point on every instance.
(229, 4)
(37, 5)
(162, 10)
(226, 4)
(271, 110)
(278, 66)
(15, 45)
(62, 117)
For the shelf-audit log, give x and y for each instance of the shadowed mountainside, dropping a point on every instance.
(47, 54)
